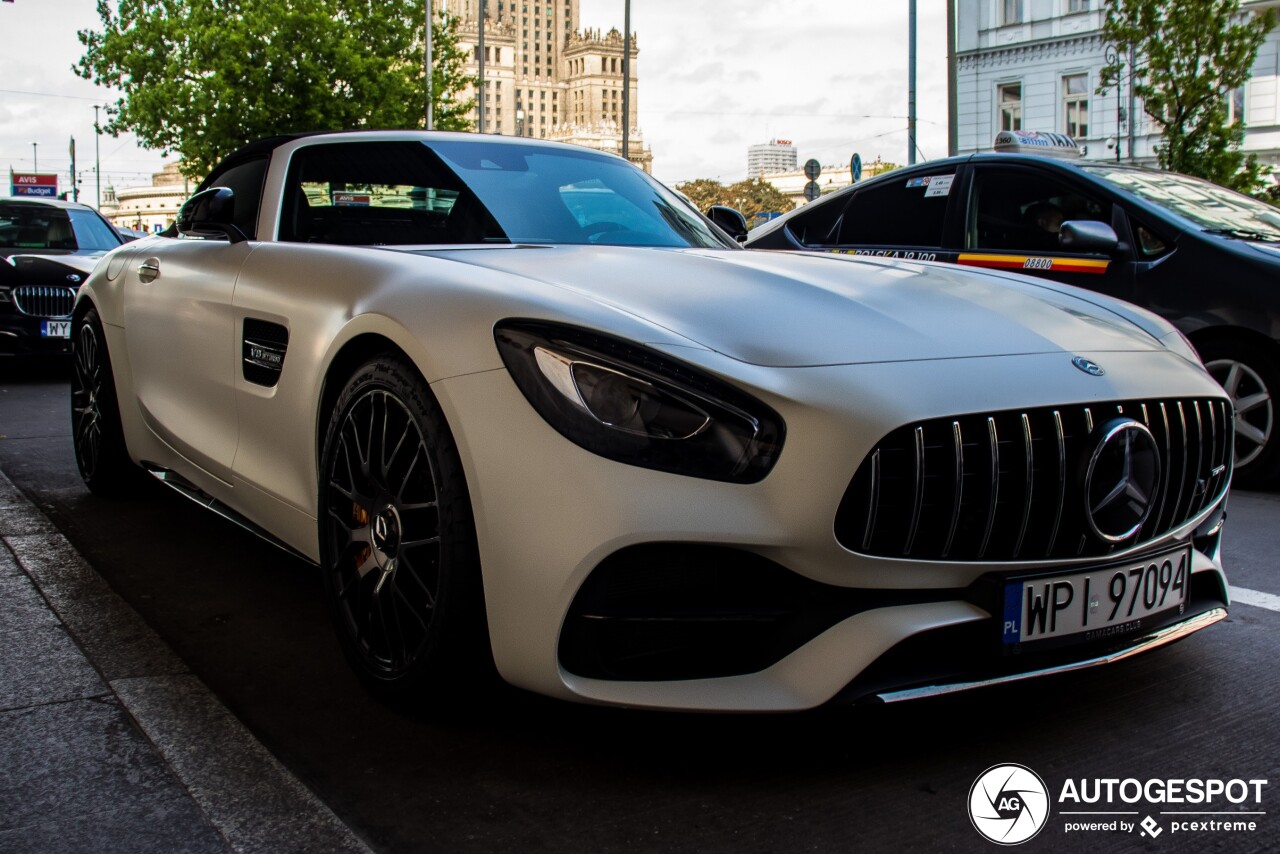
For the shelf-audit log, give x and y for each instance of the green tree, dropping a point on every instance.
(202, 77)
(1190, 55)
(703, 192)
(750, 197)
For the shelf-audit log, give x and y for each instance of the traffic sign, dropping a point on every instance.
(812, 169)
(812, 190)
(855, 168)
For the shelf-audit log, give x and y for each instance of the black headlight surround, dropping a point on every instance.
(740, 443)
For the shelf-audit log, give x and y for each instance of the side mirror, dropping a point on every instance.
(210, 214)
(1086, 235)
(733, 222)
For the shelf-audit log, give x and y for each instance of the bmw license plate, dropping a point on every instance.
(56, 329)
(1098, 603)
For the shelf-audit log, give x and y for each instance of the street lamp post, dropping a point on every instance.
(35, 161)
(427, 64)
(1112, 58)
(97, 155)
(626, 80)
(911, 82)
(480, 61)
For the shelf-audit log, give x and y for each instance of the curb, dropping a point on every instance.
(252, 801)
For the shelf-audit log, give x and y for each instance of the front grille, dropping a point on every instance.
(42, 301)
(1008, 486)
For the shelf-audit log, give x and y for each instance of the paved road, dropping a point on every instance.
(531, 774)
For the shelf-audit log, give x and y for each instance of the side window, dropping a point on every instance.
(379, 193)
(245, 180)
(1022, 210)
(906, 211)
(1150, 244)
(815, 224)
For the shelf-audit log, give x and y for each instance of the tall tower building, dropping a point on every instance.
(768, 158)
(544, 78)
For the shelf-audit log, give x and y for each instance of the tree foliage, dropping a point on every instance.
(751, 196)
(202, 77)
(1190, 56)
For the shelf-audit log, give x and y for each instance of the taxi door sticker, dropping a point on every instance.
(1035, 262)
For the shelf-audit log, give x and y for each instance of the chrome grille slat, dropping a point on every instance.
(44, 300)
(1062, 480)
(994, 441)
(1029, 493)
(874, 503)
(957, 500)
(1001, 503)
(919, 497)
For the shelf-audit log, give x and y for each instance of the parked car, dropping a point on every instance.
(1204, 257)
(47, 248)
(525, 408)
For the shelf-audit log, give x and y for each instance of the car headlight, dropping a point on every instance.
(634, 405)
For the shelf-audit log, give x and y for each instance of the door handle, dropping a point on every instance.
(149, 270)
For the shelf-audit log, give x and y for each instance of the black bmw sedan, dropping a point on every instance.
(47, 248)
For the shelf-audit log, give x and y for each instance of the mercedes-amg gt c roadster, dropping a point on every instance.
(529, 411)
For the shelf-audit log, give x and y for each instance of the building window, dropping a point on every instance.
(1074, 6)
(1235, 105)
(1075, 105)
(1010, 11)
(1009, 97)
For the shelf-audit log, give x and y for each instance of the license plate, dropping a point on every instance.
(56, 329)
(1096, 603)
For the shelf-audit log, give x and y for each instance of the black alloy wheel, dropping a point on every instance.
(398, 539)
(1252, 381)
(97, 437)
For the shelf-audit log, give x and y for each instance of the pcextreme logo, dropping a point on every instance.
(1009, 804)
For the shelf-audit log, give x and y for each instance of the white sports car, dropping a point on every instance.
(526, 408)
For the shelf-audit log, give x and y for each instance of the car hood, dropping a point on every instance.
(787, 309)
(32, 268)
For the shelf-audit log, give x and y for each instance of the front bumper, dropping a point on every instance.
(830, 624)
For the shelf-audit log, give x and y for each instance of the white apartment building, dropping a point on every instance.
(1036, 65)
(769, 158)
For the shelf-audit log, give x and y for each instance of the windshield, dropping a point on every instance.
(43, 228)
(550, 195)
(1214, 208)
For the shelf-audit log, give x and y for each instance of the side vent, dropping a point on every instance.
(264, 348)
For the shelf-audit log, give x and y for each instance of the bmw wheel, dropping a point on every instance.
(1251, 380)
(398, 548)
(97, 437)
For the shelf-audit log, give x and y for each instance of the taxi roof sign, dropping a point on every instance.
(1035, 142)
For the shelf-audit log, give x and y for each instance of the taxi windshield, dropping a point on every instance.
(1214, 208)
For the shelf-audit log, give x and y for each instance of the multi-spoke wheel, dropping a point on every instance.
(398, 539)
(1251, 380)
(96, 433)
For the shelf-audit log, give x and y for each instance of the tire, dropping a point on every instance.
(97, 436)
(397, 539)
(1252, 379)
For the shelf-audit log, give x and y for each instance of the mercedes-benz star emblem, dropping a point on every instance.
(1091, 368)
(1121, 481)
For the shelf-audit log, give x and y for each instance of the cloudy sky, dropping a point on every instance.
(714, 78)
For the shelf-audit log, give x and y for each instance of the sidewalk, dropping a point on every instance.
(107, 741)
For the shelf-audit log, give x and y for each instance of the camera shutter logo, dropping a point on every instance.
(1009, 804)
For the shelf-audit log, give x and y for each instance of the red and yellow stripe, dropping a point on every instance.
(1032, 263)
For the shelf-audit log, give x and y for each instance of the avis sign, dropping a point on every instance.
(31, 184)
